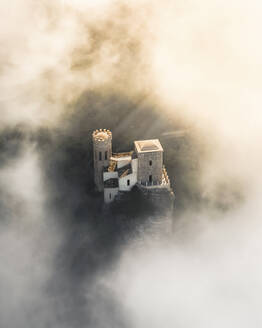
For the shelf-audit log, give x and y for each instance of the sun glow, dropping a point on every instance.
(87, 4)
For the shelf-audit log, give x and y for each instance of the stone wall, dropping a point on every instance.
(110, 194)
(150, 164)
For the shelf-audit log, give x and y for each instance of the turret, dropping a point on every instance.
(102, 146)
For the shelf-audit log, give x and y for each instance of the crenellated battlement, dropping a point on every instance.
(102, 146)
(102, 136)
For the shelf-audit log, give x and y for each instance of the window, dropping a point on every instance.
(110, 196)
(106, 155)
(100, 156)
(150, 178)
(150, 163)
(128, 182)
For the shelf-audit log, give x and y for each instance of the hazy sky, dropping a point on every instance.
(198, 61)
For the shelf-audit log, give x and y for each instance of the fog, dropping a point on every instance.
(185, 72)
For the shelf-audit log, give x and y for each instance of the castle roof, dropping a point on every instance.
(148, 145)
(125, 170)
(111, 183)
(122, 155)
(122, 171)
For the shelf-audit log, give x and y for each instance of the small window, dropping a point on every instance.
(150, 178)
(110, 196)
(100, 156)
(106, 155)
(128, 182)
(150, 163)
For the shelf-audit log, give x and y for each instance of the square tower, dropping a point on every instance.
(150, 161)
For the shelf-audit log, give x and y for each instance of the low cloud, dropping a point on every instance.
(142, 70)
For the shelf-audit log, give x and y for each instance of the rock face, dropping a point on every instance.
(162, 199)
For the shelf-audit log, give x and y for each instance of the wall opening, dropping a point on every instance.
(128, 182)
(106, 155)
(150, 178)
(110, 196)
(150, 163)
(100, 156)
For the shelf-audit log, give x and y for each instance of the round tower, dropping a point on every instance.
(102, 145)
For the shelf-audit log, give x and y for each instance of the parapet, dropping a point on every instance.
(102, 136)
(145, 146)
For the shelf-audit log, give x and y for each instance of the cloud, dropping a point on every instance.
(207, 273)
(142, 69)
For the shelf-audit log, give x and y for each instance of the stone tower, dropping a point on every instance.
(150, 162)
(102, 146)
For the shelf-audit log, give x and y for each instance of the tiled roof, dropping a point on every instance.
(125, 170)
(111, 183)
(119, 155)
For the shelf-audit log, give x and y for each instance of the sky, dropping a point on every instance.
(140, 68)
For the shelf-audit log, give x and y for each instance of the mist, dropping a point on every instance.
(185, 72)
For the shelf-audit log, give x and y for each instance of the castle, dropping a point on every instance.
(117, 173)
